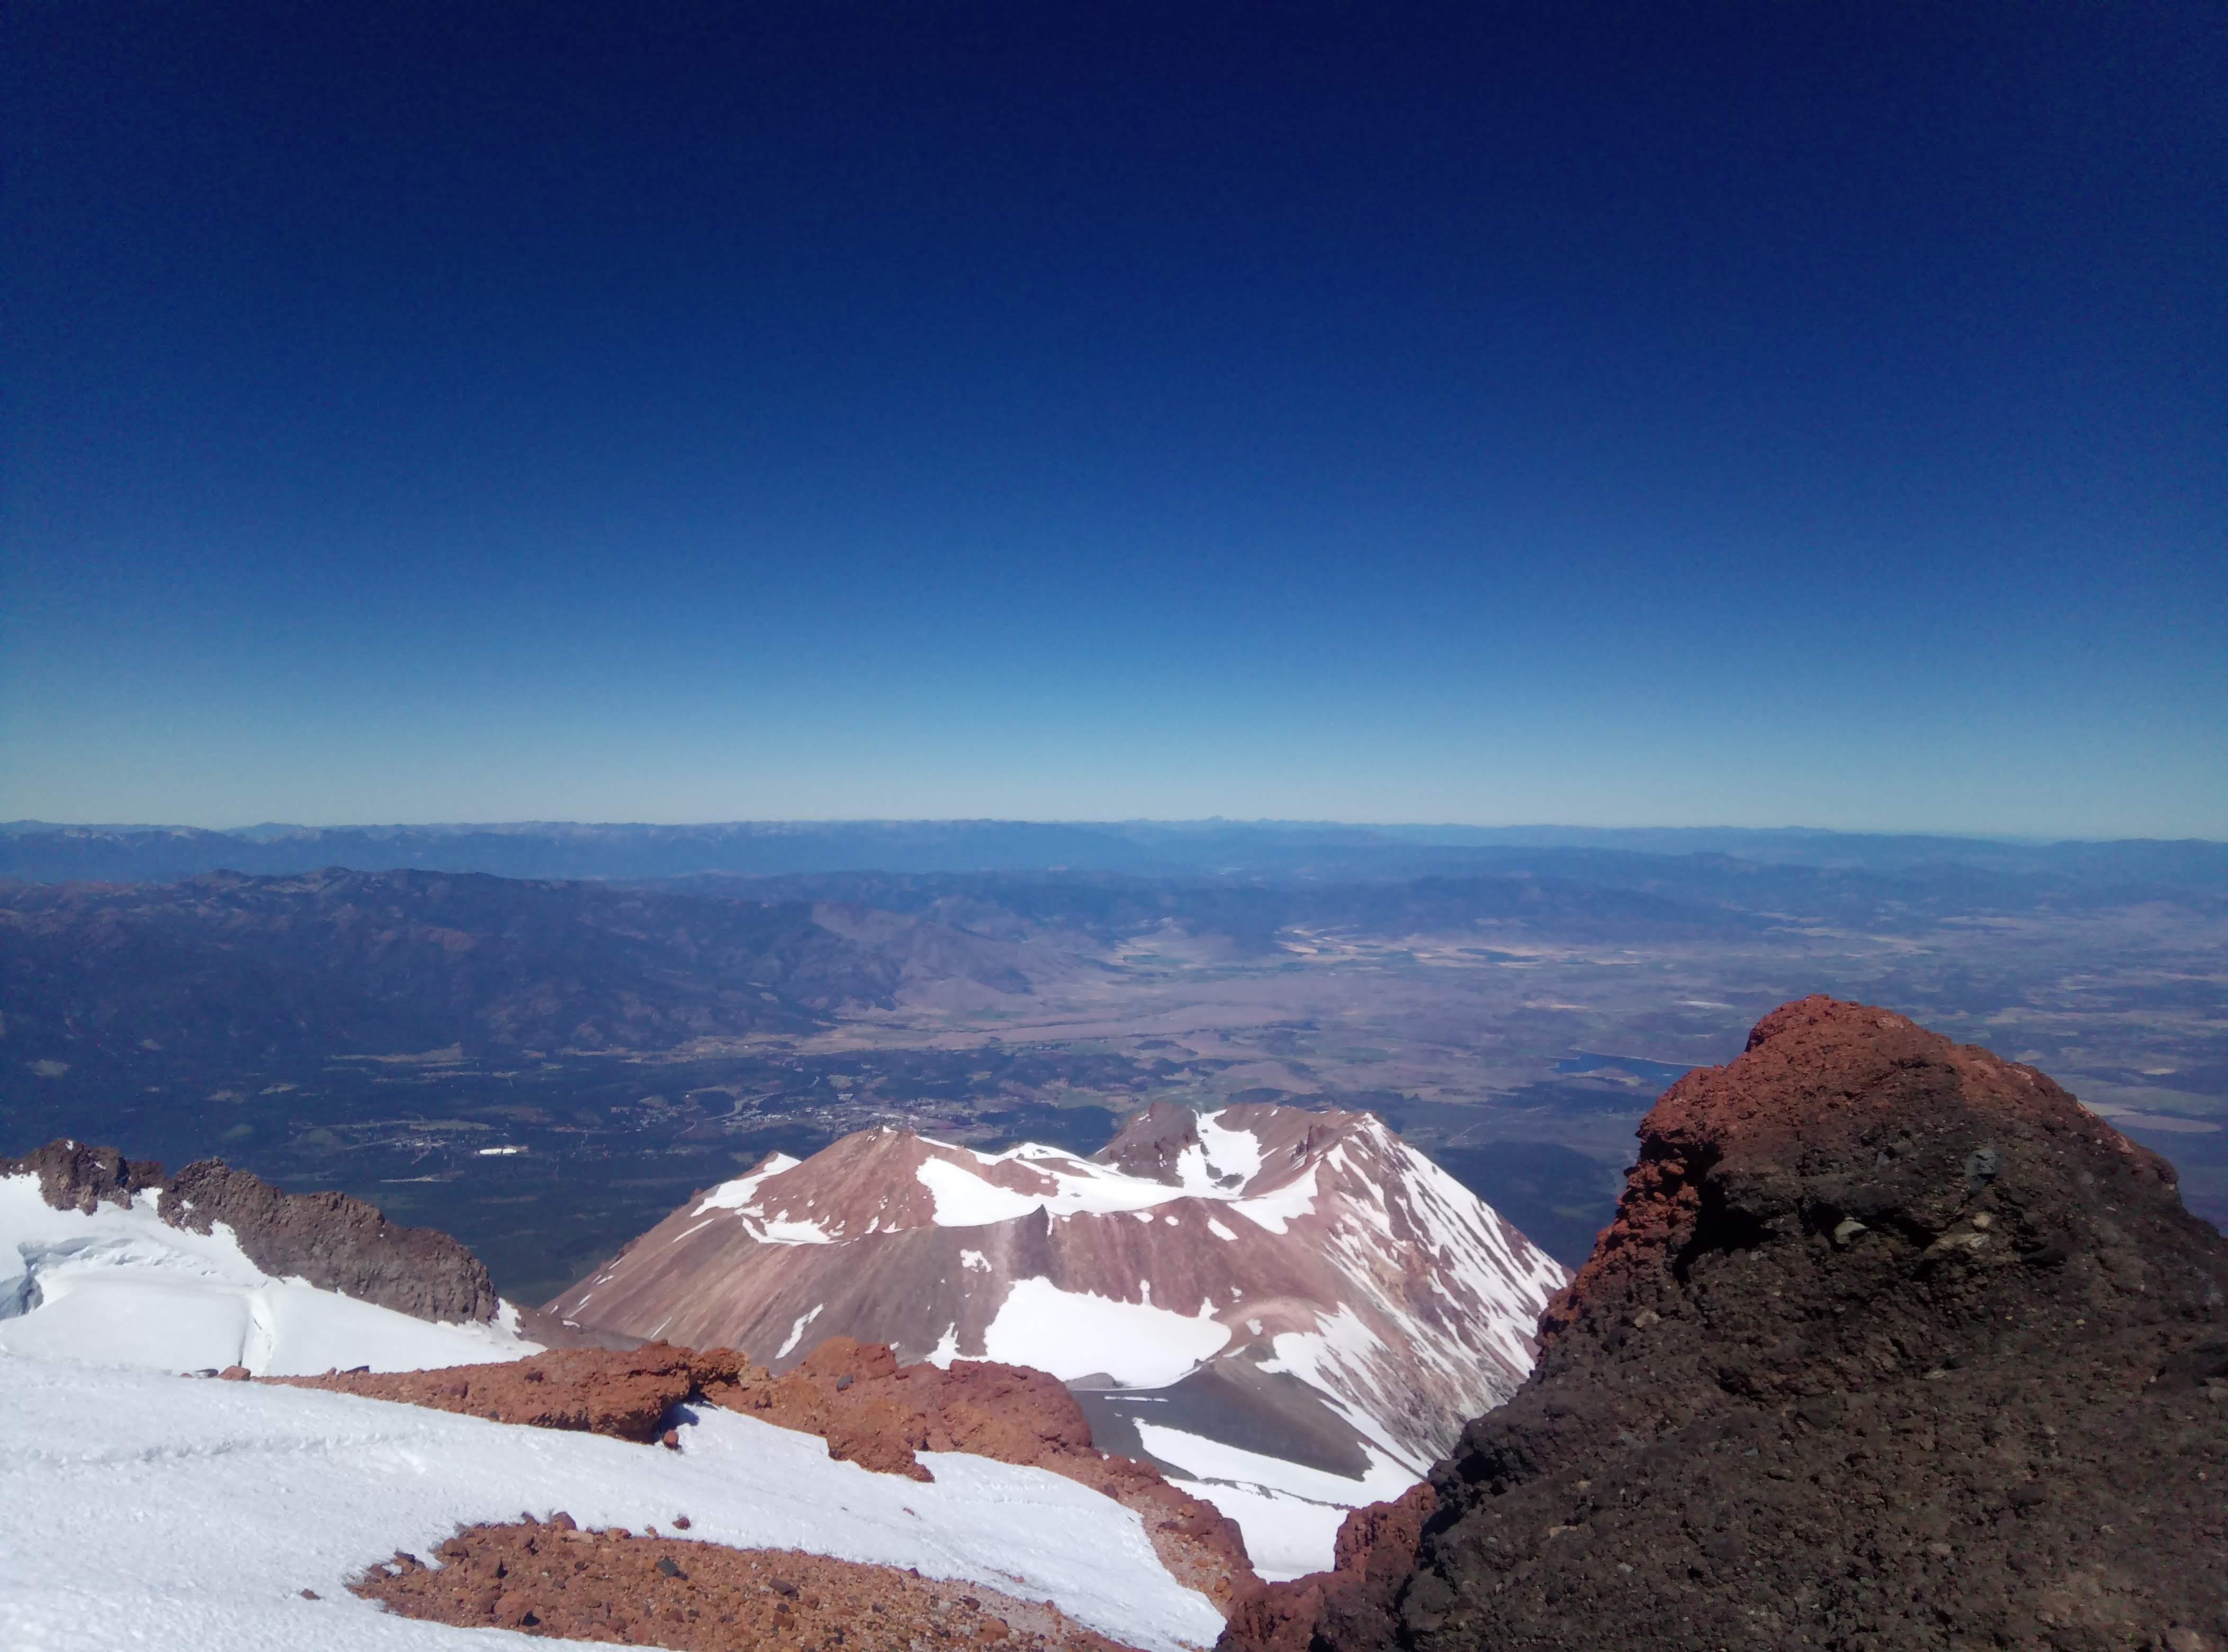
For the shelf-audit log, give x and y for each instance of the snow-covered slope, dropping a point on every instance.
(118, 1285)
(1299, 1288)
(137, 1509)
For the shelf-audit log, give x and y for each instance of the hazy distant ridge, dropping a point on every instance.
(41, 852)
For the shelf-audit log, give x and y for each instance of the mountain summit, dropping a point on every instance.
(1893, 1344)
(1296, 1303)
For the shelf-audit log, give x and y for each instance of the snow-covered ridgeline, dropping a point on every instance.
(176, 1512)
(120, 1286)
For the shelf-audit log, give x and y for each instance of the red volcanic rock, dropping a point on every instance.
(1371, 1538)
(1374, 1552)
(553, 1578)
(856, 1396)
(596, 1391)
(878, 1414)
(1892, 1346)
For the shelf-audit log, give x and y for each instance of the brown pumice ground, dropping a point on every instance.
(856, 1396)
(553, 1578)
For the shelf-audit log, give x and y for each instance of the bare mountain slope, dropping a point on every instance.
(1308, 1302)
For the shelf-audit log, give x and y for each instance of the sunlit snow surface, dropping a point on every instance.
(1073, 1334)
(138, 1509)
(1289, 1512)
(123, 1287)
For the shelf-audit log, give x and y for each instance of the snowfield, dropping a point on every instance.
(138, 1510)
(1072, 1334)
(1289, 1512)
(123, 1287)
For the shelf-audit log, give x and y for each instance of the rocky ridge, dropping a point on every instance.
(329, 1239)
(857, 1397)
(624, 1395)
(1893, 1344)
(554, 1578)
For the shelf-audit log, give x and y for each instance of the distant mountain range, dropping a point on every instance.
(342, 962)
(40, 851)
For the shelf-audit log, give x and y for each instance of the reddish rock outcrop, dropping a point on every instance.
(553, 1578)
(593, 1391)
(879, 1414)
(856, 1396)
(1893, 1346)
(1374, 1552)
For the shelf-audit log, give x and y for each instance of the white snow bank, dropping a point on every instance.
(796, 1331)
(966, 1198)
(1073, 1334)
(122, 1287)
(1286, 1537)
(1275, 1209)
(170, 1512)
(1289, 1513)
(733, 1195)
(1206, 1459)
(1229, 1152)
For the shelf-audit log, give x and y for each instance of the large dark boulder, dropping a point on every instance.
(334, 1242)
(1893, 1346)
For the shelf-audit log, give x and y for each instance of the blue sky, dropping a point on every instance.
(1736, 414)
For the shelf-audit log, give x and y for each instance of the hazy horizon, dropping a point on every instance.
(1416, 830)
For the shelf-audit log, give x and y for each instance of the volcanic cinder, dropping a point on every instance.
(1893, 1345)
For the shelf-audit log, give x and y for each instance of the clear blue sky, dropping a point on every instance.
(1664, 413)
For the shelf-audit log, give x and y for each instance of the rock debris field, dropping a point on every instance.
(552, 1577)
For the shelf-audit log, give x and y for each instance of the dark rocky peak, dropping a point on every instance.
(74, 1176)
(1891, 1345)
(333, 1241)
(1150, 1143)
(1849, 1153)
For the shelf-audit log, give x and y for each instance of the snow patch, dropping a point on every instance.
(1275, 1209)
(1230, 1152)
(1073, 1334)
(947, 1347)
(965, 1200)
(797, 1332)
(733, 1195)
(1286, 1537)
(1289, 1513)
